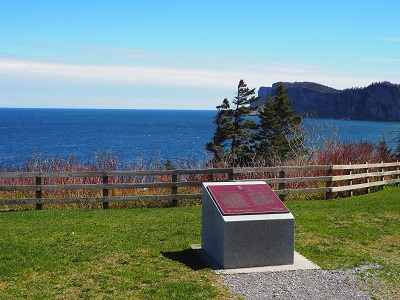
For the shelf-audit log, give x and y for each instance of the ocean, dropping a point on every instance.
(136, 135)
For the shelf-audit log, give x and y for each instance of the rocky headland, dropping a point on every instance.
(376, 102)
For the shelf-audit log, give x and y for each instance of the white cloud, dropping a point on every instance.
(30, 83)
(119, 73)
(391, 39)
(222, 76)
(384, 60)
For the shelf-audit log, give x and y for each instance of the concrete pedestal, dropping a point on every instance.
(245, 240)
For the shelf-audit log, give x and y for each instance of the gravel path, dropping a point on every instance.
(299, 284)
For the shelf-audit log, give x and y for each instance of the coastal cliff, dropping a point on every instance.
(377, 102)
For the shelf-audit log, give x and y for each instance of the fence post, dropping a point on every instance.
(282, 185)
(105, 191)
(350, 182)
(328, 184)
(398, 175)
(367, 178)
(38, 193)
(174, 189)
(211, 177)
(382, 178)
(230, 175)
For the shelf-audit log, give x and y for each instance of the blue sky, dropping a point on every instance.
(188, 54)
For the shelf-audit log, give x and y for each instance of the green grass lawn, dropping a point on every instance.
(350, 232)
(145, 253)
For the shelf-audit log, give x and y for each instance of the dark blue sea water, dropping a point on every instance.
(133, 134)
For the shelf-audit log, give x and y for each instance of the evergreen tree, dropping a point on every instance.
(222, 134)
(242, 142)
(234, 136)
(278, 133)
(268, 129)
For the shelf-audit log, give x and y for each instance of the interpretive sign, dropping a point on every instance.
(244, 224)
(246, 199)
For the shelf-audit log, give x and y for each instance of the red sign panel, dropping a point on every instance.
(246, 199)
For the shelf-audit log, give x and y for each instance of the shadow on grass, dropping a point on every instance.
(187, 257)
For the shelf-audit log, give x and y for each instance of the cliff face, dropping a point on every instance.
(379, 101)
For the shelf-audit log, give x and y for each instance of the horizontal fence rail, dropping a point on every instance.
(41, 188)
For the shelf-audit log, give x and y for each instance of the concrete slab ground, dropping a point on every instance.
(300, 263)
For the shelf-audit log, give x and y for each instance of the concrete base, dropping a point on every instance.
(300, 263)
(241, 241)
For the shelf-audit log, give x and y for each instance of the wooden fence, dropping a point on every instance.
(41, 188)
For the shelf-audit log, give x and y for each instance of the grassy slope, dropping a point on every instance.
(350, 232)
(95, 254)
(144, 253)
